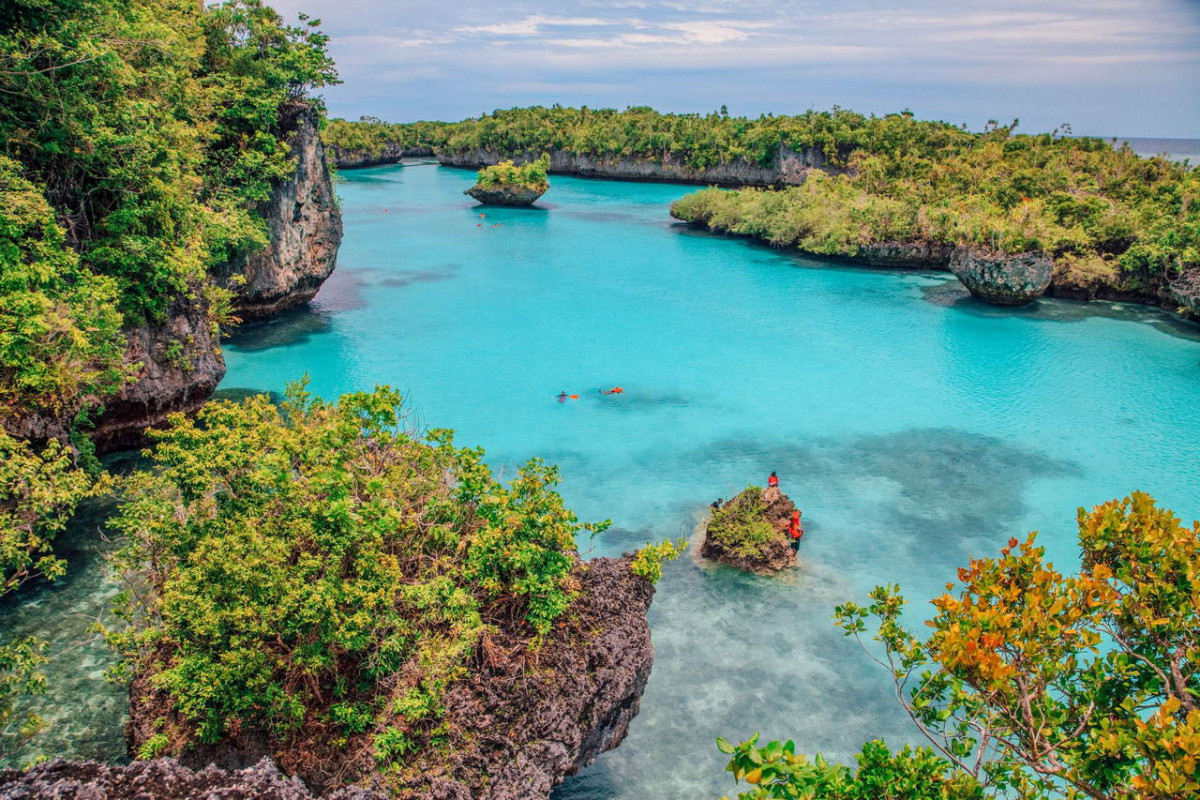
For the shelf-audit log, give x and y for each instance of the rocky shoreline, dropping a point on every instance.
(521, 720)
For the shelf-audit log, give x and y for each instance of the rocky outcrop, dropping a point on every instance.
(788, 167)
(179, 360)
(179, 367)
(520, 721)
(158, 780)
(906, 255)
(1183, 293)
(304, 226)
(514, 196)
(523, 728)
(344, 158)
(1005, 279)
(750, 532)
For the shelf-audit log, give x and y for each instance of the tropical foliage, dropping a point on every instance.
(739, 526)
(1037, 684)
(506, 174)
(318, 568)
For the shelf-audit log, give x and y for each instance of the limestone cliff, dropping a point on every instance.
(305, 230)
(179, 368)
(390, 154)
(179, 359)
(788, 167)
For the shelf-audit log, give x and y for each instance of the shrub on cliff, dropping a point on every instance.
(317, 573)
(1037, 684)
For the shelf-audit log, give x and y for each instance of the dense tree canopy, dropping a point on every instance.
(136, 138)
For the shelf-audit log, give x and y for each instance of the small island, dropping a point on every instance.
(751, 531)
(509, 184)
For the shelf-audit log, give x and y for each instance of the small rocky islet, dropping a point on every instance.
(752, 531)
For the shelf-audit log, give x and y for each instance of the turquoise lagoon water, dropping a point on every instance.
(913, 425)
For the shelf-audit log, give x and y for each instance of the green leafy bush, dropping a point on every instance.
(317, 563)
(775, 772)
(647, 561)
(532, 175)
(739, 528)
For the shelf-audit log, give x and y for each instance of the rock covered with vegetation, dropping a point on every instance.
(750, 531)
(889, 191)
(318, 585)
(1108, 223)
(509, 184)
(1001, 278)
(1030, 682)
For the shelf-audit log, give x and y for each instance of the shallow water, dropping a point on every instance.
(912, 425)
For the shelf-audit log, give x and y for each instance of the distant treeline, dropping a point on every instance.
(1108, 217)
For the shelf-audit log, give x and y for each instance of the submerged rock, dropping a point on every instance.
(1006, 279)
(750, 532)
(516, 196)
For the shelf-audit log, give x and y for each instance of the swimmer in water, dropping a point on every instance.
(563, 397)
(614, 390)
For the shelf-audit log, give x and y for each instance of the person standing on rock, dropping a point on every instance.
(773, 481)
(795, 531)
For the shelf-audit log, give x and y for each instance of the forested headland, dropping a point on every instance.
(891, 190)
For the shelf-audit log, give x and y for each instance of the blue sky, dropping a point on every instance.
(1107, 67)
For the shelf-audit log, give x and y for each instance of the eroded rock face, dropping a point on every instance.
(1184, 293)
(773, 555)
(391, 154)
(515, 196)
(180, 369)
(180, 362)
(160, 779)
(1002, 278)
(789, 167)
(305, 229)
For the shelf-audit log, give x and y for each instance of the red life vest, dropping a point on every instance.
(772, 482)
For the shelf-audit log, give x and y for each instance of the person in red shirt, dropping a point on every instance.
(773, 481)
(795, 531)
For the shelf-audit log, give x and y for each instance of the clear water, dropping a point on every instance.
(913, 425)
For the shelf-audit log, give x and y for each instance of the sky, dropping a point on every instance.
(1105, 67)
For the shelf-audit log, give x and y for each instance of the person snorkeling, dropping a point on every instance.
(564, 397)
(613, 390)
